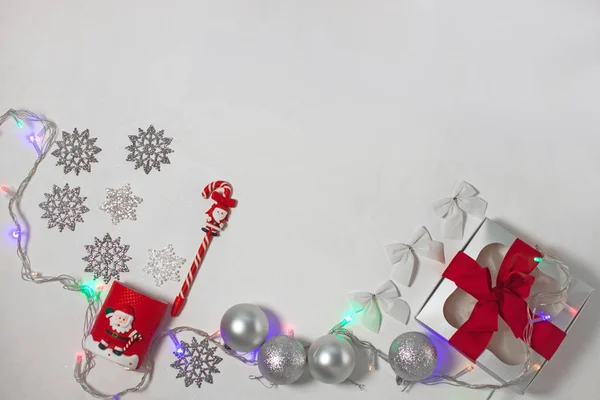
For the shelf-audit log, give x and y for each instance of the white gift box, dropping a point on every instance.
(448, 307)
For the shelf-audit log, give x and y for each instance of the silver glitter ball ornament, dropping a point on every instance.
(331, 359)
(244, 327)
(281, 360)
(412, 356)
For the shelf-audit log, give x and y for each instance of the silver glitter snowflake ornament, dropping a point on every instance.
(63, 207)
(121, 204)
(149, 149)
(76, 151)
(107, 258)
(163, 265)
(197, 362)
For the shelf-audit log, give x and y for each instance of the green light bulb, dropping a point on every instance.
(17, 120)
(87, 290)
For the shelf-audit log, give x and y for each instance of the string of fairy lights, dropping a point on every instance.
(43, 141)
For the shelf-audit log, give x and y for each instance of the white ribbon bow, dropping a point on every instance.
(453, 209)
(405, 256)
(368, 306)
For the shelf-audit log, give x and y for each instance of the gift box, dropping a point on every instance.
(124, 326)
(481, 304)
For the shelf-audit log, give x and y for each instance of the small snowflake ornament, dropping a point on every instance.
(63, 207)
(163, 265)
(149, 149)
(76, 151)
(107, 258)
(121, 204)
(197, 363)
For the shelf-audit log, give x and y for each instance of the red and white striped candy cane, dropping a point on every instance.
(212, 187)
(189, 279)
(217, 185)
(132, 339)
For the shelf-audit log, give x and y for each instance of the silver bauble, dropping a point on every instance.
(281, 360)
(244, 327)
(412, 356)
(331, 359)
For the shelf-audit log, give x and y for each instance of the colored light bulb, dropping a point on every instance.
(8, 190)
(17, 121)
(15, 233)
(178, 349)
(538, 259)
(469, 368)
(33, 141)
(87, 291)
(347, 319)
(542, 316)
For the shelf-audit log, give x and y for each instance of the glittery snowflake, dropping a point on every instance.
(149, 149)
(163, 265)
(107, 258)
(121, 203)
(76, 151)
(63, 207)
(197, 362)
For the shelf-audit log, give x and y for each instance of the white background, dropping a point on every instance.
(337, 122)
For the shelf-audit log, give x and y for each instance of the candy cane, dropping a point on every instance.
(132, 339)
(212, 190)
(217, 185)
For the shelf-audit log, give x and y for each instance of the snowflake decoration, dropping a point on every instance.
(121, 204)
(149, 149)
(163, 265)
(106, 258)
(63, 207)
(197, 362)
(76, 151)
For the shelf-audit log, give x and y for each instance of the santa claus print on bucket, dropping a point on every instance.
(120, 335)
(125, 325)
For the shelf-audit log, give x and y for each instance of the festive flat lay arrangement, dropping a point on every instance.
(503, 304)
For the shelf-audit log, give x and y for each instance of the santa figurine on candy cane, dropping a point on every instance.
(218, 214)
(119, 334)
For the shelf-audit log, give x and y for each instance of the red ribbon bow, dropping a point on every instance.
(506, 300)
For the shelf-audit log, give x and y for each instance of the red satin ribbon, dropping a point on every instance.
(506, 300)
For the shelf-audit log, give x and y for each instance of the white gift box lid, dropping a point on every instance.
(432, 313)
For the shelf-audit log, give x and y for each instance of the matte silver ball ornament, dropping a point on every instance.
(331, 359)
(244, 327)
(412, 356)
(282, 360)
